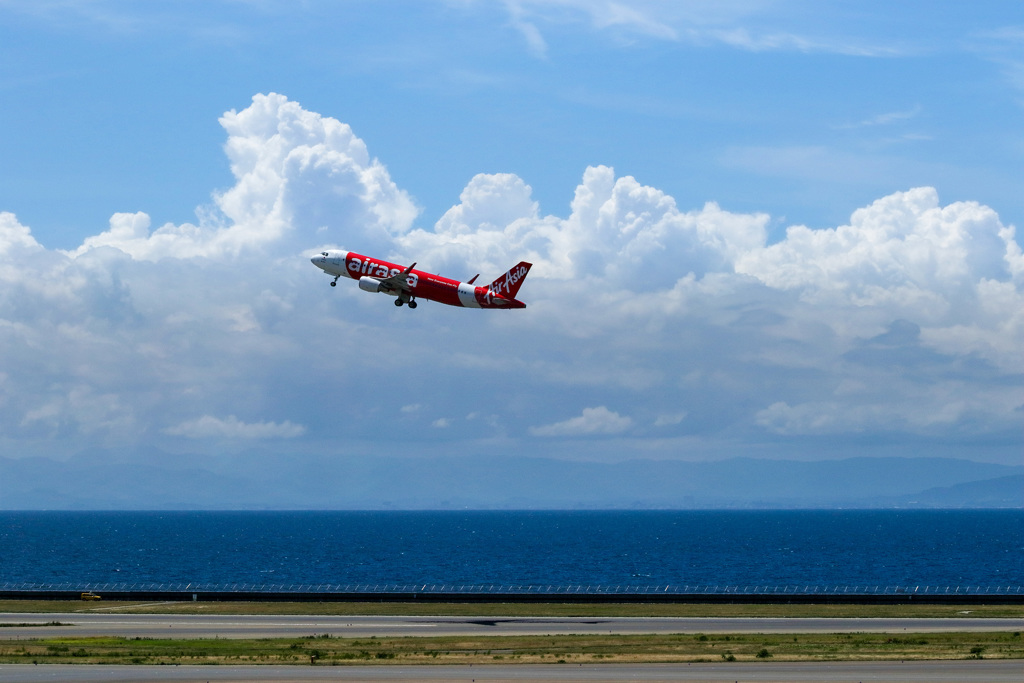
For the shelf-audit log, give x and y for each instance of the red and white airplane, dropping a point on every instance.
(407, 284)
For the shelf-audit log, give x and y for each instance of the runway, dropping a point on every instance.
(959, 671)
(278, 626)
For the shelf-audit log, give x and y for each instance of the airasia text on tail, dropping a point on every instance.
(407, 284)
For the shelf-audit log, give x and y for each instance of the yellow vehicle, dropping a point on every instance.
(90, 596)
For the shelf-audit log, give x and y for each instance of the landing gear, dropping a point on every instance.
(334, 282)
(412, 303)
(399, 302)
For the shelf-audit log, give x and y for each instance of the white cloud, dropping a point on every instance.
(604, 14)
(1005, 48)
(906, 256)
(669, 419)
(906, 320)
(739, 24)
(81, 409)
(906, 240)
(767, 40)
(293, 169)
(597, 421)
(889, 118)
(534, 40)
(910, 409)
(15, 237)
(210, 427)
(619, 231)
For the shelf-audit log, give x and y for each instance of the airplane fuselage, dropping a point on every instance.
(408, 284)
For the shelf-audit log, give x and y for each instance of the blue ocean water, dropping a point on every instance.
(642, 548)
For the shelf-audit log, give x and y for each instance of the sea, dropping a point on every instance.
(853, 548)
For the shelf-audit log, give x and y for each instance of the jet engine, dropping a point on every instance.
(369, 284)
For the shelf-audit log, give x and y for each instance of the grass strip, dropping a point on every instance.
(568, 609)
(576, 649)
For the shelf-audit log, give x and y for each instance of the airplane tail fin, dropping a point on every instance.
(508, 284)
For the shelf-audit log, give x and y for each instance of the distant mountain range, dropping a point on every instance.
(259, 480)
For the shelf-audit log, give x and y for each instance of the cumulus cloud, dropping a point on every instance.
(593, 422)
(293, 169)
(900, 246)
(948, 268)
(907, 320)
(210, 427)
(618, 230)
(15, 237)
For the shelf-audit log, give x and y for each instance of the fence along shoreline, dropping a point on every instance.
(967, 595)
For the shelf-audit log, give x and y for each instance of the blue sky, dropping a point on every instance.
(803, 110)
(778, 229)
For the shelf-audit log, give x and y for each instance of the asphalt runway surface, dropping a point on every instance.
(288, 626)
(958, 671)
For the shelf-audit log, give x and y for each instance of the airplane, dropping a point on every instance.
(405, 283)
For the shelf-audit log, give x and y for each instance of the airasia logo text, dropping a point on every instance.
(511, 277)
(378, 270)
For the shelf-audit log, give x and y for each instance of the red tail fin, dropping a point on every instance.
(508, 284)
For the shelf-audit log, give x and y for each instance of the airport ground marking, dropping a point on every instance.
(566, 609)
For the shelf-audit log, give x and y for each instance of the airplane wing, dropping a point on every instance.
(398, 282)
